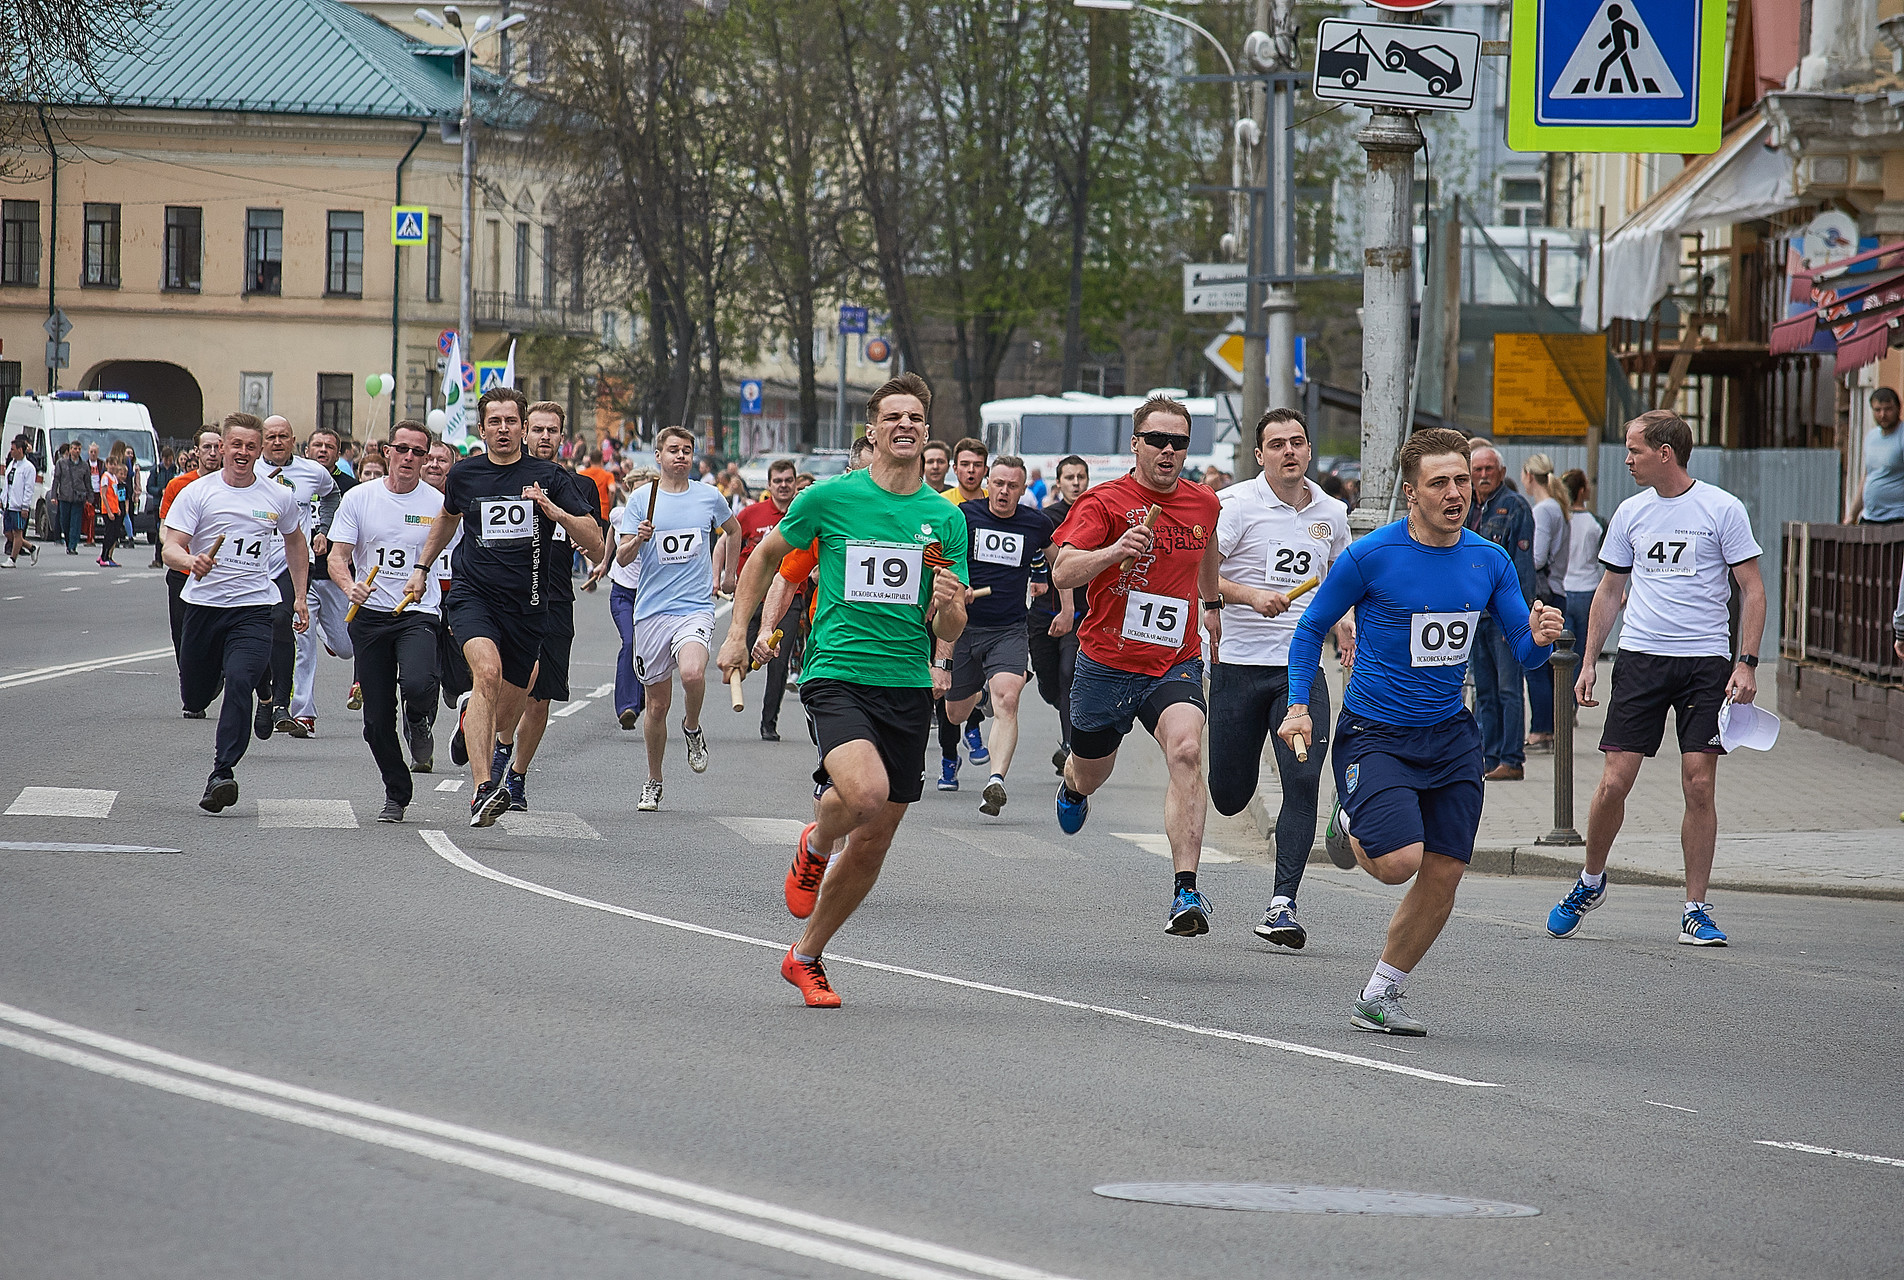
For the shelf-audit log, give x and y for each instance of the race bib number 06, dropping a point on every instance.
(1440, 639)
(507, 519)
(995, 546)
(1155, 619)
(877, 573)
(676, 546)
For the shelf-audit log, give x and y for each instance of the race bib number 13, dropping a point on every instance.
(1155, 619)
(880, 574)
(507, 519)
(1440, 639)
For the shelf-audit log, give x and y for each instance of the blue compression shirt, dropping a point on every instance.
(1415, 613)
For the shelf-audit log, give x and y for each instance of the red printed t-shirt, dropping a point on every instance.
(757, 520)
(1160, 591)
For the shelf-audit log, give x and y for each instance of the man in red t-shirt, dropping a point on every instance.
(1140, 657)
(757, 520)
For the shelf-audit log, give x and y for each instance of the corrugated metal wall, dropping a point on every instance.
(1775, 485)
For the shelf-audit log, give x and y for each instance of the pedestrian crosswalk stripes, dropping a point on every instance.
(548, 824)
(62, 802)
(764, 830)
(329, 814)
(1159, 844)
(1006, 843)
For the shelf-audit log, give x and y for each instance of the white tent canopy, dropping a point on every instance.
(1741, 181)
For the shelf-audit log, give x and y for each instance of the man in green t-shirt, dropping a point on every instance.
(892, 579)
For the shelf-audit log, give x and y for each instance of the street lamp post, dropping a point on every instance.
(485, 27)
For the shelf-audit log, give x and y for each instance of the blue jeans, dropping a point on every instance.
(1497, 697)
(72, 519)
(621, 607)
(1579, 610)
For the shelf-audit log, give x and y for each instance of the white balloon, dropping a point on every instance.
(437, 420)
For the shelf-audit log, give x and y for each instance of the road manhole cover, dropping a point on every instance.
(1271, 1197)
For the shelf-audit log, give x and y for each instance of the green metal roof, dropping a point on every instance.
(286, 57)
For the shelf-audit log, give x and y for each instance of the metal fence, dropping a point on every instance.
(1776, 485)
(1841, 584)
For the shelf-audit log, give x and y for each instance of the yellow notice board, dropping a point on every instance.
(1541, 379)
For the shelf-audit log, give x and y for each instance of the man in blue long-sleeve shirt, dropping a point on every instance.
(1503, 517)
(1407, 752)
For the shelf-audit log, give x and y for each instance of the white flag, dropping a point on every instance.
(455, 412)
(509, 370)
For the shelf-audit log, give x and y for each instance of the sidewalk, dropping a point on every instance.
(1813, 815)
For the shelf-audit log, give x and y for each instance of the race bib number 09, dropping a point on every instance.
(995, 546)
(676, 546)
(1440, 639)
(880, 574)
(1155, 619)
(507, 519)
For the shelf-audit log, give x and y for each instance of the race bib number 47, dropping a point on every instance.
(877, 573)
(1670, 557)
(1440, 639)
(1155, 619)
(507, 519)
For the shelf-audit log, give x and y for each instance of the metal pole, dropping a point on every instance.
(1595, 429)
(467, 302)
(839, 403)
(1258, 256)
(1390, 139)
(1564, 661)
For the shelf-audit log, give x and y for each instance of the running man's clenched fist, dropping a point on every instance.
(1546, 622)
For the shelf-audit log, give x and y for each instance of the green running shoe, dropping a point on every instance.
(1336, 839)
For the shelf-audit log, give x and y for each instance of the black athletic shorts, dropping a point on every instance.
(552, 669)
(898, 722)
(1646, 685)
(517, 636)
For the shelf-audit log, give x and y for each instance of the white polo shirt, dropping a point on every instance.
(309, 482)
(1679, 553)
(388, 530)
(1265, 542)
(249, 518)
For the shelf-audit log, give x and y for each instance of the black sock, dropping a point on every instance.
(1070, 796)
(1186, 880)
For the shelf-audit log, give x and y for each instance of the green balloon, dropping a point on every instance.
(373, 386)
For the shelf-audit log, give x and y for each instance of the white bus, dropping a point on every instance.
(1043, 429)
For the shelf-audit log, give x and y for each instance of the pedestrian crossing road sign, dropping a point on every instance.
(1616, 75)
(410, 224)
(489, 374)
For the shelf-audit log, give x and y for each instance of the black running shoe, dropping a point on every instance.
(190, 714)
(422, 746)
(285, 722)
(518, 791)
(459, 749)
(221, 793)
(490, 803)
(392, 812)
(261, 722)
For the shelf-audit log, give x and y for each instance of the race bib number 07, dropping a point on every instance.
(995, 546)
(878, 573)
(676, 546)
(1440, 639)
(1155, 619)
(507, 519)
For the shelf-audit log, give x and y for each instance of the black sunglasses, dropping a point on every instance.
(410, 448)
(1164, 440)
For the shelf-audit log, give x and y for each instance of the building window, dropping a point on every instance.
(9, 380)
(344, 258)
(610, 330)
(522, 264)
(333, 402)
(549, 259)
(184, 240)
(102, 246)
(1523, 203)
(264, 251)
(19, 242)
(433, 262)
(578, 256)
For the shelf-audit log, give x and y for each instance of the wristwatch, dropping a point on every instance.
(1749, 659)
(942, 664)
(1210, 605)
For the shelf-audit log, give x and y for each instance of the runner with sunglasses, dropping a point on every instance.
(1140, 657)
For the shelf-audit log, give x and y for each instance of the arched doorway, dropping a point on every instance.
(169, 393)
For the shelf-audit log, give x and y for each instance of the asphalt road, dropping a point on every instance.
(564, 1048)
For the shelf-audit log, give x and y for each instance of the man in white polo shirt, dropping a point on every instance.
(1273, 532)
(1673, 548)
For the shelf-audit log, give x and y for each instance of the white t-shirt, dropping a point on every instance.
(1265, 542)
(1680, 552)
(1583, 552)
(309, 482)
(628, 575)
(388, 530)
(249, 518)
(22, 477)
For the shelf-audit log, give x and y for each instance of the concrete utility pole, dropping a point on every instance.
(1256, 259)
(1391, 140)
(1280, 301)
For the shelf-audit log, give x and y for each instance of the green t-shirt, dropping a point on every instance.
(874, 583)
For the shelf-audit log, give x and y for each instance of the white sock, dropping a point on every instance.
(1280, 901)
(1385, 976)
(1592, 881)
(999, 778)
(804, 959)
(1698, 906)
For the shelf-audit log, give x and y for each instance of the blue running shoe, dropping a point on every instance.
(948, 775)
(499, 759)
(1072, 813)
(1189, 914)
(1696, 929)
(975, 746)
(518, 791)
(1564, 920)
(1279, 926)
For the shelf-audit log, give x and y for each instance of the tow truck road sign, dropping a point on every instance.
(1384, 64)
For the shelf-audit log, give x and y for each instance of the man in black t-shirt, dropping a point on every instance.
(498, 605)
(1054, 617)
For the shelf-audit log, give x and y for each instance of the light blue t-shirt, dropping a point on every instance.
(677, 564)
(1884, 474)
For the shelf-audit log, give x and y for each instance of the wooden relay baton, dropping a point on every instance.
(370, 580)
(1150, 522)
(772, 640)
(217, 542)
(733, 687)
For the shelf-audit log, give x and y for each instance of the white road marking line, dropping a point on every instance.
(62, 802)
(1670, 1107)
(548, 823)
(1831, 1151)
(1003, 842)
(1160, 845)
(72, 588)
(405, 1131)
(45, 846)
(450, 784)
(78, 668)
(16, 597)
(446, 849)
(306, 813)
(120, 582)
(602, 690)
(572, 708)
(72, 573)
(782, 831)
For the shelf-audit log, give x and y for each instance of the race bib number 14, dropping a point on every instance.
(1440, 639)
(880, 574)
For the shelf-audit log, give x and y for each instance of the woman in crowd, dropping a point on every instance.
(1548, 498)
(1583, 556)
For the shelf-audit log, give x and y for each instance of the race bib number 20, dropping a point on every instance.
(880, 574)
(507, 519)
(1440, 639)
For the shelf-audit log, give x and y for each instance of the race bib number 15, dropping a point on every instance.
(1155, 619)
(1440, 639)
(507, 519)
(880, 574)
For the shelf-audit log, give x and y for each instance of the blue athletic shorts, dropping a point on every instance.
(1409, 784)
(1106, 701)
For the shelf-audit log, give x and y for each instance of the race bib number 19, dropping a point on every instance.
(507, 519)
(1440, 639)
(1155, 619)
(881, 574)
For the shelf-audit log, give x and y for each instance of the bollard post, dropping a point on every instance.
(1564, 663)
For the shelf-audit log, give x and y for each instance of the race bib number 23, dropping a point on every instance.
(881, 574)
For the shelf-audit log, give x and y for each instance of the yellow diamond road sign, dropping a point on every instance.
(1226, 352)
(409, 224)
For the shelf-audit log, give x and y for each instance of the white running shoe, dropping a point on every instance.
(697, 750)
(650, 797)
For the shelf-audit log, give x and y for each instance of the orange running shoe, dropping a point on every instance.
(810, 977)
(804, 876)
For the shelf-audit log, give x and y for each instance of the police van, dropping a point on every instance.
(103, 418)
